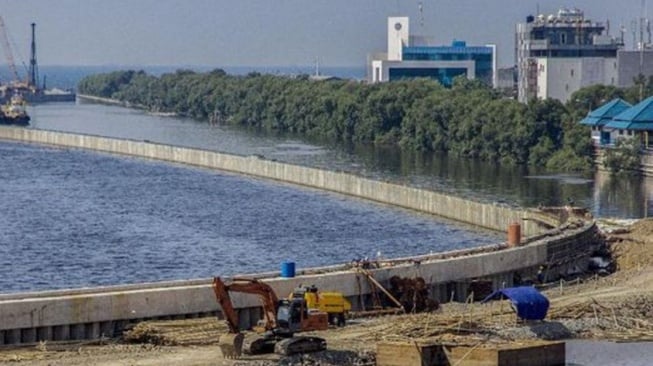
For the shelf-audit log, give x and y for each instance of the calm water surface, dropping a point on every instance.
(624, 197)
(76, 218)
(73, 218)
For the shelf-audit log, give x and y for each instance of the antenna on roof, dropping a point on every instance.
(633, 30)
(421, 14)
(622, 31)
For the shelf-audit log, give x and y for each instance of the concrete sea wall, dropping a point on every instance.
(490, 216)
(645, 166)
(92, 313)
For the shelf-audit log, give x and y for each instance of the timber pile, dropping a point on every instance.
(618, 318)
(185, 332)
(452, 326)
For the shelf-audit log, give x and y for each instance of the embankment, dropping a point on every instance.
(91, 313)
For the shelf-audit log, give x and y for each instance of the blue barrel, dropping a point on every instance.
(288, 269)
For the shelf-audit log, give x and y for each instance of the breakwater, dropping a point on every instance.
(91, 313)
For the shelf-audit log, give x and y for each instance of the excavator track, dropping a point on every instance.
(301, 344)
(257, 345)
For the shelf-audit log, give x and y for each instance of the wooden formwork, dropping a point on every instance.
(433, 354)
(410, 354)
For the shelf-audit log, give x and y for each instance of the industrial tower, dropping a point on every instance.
(33, 78)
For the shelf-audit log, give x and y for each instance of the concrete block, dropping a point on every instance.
(12, 336)
(92, 330)
(28, 335)
(120, 325)
(255, 314)
(244, 318)
(107, 329)
(44, 334)
(61, 332)
(77, 331)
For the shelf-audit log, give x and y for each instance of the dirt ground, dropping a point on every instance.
(614, 307)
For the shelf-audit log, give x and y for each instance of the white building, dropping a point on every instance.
(558, 54)
(558, 78)
(416, 56)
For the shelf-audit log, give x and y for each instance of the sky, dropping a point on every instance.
(225, 33)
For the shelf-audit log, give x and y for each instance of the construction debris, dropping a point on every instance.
(413, 294)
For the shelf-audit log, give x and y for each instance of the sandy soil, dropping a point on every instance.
(615, 307)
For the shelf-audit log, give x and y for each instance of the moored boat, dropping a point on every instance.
(14, 112)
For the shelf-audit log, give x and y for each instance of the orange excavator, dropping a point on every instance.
(281, 320)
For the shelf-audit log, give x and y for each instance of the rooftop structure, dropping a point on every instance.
(601, 116)
(559, 54)
(617, 120)
(638, 118)
(416, 56)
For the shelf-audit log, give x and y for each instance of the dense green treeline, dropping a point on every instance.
(469, 120)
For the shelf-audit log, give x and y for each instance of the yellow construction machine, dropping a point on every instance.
(282, 319)
(333, 303)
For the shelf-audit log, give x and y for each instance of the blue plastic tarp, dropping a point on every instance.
(529, 303)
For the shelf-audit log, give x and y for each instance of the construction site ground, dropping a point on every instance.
(617, 307)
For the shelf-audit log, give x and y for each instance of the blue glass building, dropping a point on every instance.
(410, 56)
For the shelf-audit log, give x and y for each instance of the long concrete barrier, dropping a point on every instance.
(490, 216)
(96, 312)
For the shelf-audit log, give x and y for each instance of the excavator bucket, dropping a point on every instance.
(231, 345)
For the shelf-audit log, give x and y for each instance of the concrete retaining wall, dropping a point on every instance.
(91, 313)
(646, 161)
(495, 217)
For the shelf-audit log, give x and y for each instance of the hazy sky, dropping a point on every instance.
(266, 32)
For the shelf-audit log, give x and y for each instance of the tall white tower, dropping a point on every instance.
(397, 37)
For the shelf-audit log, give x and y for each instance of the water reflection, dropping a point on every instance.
(628, 197)
(604, 195)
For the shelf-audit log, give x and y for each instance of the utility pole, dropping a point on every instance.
(641, 49)
(33, 67)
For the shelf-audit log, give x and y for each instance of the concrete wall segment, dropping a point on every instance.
(118, 303)
(197, 296)
(490, 216)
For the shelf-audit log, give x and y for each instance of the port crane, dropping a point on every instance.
(4, 38)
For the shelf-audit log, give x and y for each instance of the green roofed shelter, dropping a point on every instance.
(605, 113)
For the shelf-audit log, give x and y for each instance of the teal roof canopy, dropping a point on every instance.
(605, 113)
(638, 117)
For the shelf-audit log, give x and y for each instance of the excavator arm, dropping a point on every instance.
(231, 344)
(223, 298)
(275, 339)
(265, 293)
